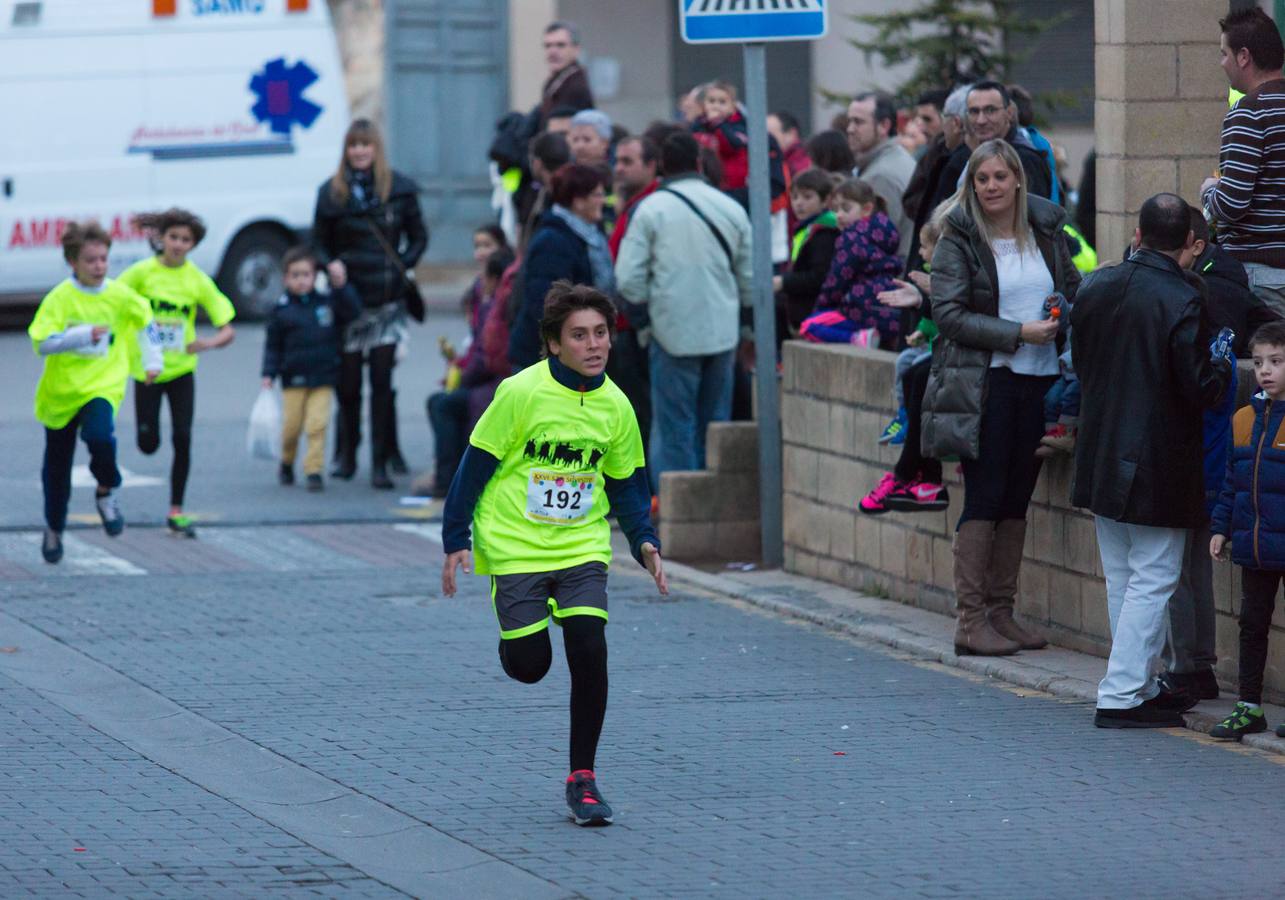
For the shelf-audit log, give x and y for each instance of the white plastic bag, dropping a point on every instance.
(263, 438)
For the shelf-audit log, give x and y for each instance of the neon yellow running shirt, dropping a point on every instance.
(545, 507)
(70, 380)
(175, 293)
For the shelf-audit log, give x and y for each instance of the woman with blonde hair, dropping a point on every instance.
(368, 226)
(1001, 256)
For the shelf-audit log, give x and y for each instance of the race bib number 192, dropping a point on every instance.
(556, 498)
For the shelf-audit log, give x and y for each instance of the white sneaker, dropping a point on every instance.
(109, 512)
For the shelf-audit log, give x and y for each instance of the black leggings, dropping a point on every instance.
(181, 392)
(999, 483)
(381, 360)
(527, 659)
(912, 463)
(1258, 601)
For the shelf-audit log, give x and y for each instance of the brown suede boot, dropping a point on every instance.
(1006, 564)
(973, 632)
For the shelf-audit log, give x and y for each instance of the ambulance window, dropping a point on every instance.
(26, 13)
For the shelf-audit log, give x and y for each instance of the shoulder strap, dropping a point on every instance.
(383, 242)
(718, 235)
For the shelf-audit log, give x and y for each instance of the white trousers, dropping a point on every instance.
(1142, 566)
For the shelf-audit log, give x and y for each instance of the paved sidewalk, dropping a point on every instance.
(927, 635)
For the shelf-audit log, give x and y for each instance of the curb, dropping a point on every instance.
(1006, 669)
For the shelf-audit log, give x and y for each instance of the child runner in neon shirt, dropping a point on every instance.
(83, 328)
(175, 287)
(557, 449)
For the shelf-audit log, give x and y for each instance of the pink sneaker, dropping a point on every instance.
(918, 496)
(873, 503)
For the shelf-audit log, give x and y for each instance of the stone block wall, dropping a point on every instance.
(1160, 102)
(714, 514)
(836, 400)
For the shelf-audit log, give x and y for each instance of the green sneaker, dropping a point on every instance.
(1244, 719)
(181, 526)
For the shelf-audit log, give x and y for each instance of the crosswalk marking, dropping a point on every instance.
(80, 557)
(427, 532)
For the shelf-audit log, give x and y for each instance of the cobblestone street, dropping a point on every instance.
(317, 720)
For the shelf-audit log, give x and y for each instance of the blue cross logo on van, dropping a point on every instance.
(281, 103)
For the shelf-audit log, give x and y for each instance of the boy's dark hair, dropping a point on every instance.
(934, 97)
(497, 262)
(562, 112)
(1025, 104)
(829, 150)
(789, 122)
(77, 234)
(885, 109)
(679, 154)
(161, 222)
(551, 149)
(300, 253)
(816, 180)
(1269, 334)
(1253, 30)
(1164, 223)
(574, 180)
(658, 132)
(565, 298)
(860, 192)
(1199, 224)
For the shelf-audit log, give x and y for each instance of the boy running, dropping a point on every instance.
(175, 287)
(557, 449)
(82, 328)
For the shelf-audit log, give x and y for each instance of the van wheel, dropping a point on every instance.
(251, 271)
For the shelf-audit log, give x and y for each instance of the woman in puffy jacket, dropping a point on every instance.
(368, 225)
(1000, 258)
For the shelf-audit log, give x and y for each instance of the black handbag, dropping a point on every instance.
(411, 296)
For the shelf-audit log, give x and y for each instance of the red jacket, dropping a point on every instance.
(622, 218)
(731, 141)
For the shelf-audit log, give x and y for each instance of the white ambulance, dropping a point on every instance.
(234, 109)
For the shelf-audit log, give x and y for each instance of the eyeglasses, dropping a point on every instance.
(976, 112)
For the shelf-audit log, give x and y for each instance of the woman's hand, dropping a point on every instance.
(1041, 331)
(923, 281)
(1220, 547)
(904, 297)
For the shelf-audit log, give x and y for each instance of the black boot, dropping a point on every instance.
(349, 436)
(380, 415)
(396, 462)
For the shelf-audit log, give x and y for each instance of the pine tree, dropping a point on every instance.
(951, 42)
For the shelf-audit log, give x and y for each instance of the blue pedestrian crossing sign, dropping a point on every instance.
(740, 21)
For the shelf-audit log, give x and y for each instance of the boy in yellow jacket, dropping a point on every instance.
(83, 329)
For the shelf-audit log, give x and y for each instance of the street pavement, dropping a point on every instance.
(286, 705)
(294, 709)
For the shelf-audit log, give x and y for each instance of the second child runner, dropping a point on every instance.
(176, 288)
(555, 452)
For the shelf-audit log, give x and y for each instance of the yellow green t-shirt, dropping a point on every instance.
(175, 293)
(545, 507)
(70, 380)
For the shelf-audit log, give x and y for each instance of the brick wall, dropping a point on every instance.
(836, 400)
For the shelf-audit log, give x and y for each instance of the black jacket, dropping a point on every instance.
(1039, 181)
(345, 233)
(1231, 303)
(1141, 345)
(555, 252)
(801, 285)
(301, 346)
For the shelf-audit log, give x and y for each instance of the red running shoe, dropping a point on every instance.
(874, 503)
(585, 803)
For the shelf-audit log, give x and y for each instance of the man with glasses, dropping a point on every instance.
(568, 83)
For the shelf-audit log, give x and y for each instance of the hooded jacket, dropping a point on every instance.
(965, 306)
(1142, 356)
(1231, 303)
(301, 345)
(865, 262)
(1251, 506)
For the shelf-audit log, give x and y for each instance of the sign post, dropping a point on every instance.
(751, 22)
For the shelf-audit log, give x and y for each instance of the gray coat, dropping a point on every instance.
(965, 306)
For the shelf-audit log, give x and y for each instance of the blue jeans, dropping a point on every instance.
(1063, 399)
(96, 425)
(687, 393)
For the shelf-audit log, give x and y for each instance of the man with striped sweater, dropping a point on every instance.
(1247, 198)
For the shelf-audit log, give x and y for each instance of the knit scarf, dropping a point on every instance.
(604, 273)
